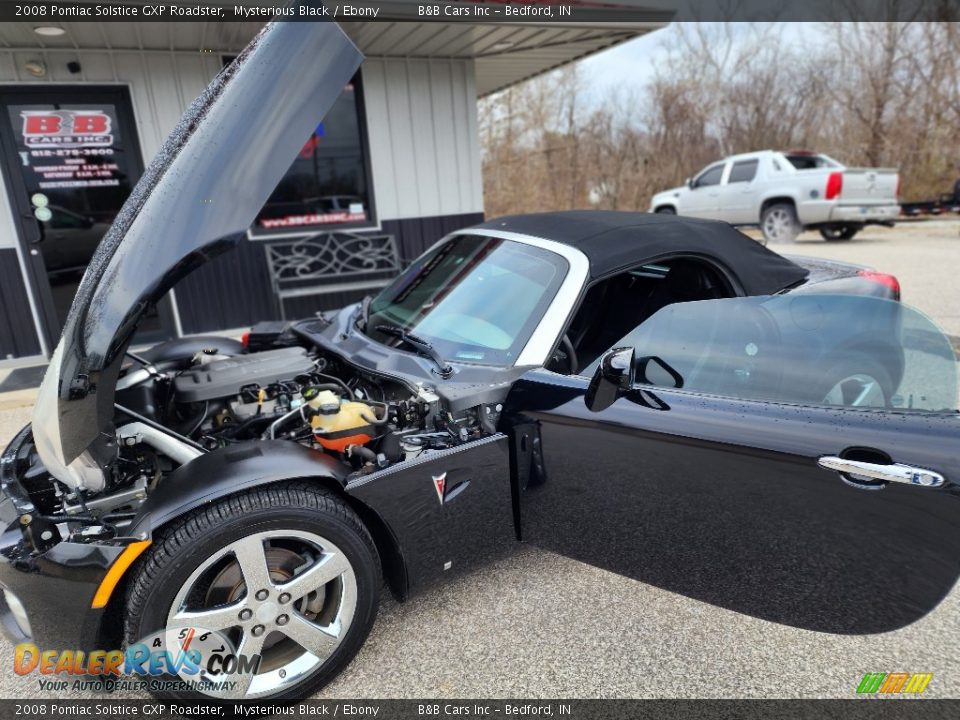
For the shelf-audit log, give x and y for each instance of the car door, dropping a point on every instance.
(737, 193)
(703, 198)
(728, 471)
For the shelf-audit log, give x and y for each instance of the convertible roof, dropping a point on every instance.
(617, 240)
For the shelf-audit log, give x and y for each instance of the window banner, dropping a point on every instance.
(68, 148)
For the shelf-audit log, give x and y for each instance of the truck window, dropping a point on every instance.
(809, 161)
(743, 171)
(710, 176)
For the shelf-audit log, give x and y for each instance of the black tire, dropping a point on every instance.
(834, 233)
(779, 223)
(665, 210)
(181, 547)
(854, 366)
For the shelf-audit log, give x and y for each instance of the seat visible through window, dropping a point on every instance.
(618, 304)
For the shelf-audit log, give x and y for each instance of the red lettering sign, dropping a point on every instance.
(66, 128)
(47, 124)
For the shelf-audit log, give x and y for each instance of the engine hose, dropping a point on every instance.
(340, 383)
(332, 387)
(67, 518)
(234, 430)
(365, 453)
(272, 432)
(373, 421)
(200, 420)
(158, 427)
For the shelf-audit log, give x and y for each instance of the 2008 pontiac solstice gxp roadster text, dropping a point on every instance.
(657, 396)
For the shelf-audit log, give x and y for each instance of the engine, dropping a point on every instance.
(172, 409)
(289, 394)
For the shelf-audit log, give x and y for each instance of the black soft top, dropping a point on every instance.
(614, 241)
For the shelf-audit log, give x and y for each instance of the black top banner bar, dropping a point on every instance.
(483, 11)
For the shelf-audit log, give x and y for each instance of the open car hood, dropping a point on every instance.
(196, 200)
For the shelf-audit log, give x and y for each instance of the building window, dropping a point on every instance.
(328, 185)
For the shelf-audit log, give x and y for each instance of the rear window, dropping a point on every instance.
(809, 161)
(743, 171)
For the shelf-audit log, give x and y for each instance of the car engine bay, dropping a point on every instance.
(192, 396)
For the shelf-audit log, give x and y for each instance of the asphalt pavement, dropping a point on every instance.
(539, 625)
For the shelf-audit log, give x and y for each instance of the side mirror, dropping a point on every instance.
(613, 377)
(656, 371)
(689, 183)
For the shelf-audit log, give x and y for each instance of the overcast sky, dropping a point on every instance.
(631, 65)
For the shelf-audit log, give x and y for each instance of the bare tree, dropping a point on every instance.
(883, 94)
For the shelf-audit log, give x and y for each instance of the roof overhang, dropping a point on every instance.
(504, 53)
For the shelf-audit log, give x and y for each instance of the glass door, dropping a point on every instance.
(72, 158)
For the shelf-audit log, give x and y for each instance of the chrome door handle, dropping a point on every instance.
(895, 472)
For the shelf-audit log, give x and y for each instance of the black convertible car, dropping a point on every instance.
(658, 396)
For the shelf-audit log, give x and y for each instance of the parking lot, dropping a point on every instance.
(923, 255)
(539, 625)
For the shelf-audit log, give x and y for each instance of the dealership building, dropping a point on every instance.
(393, 167)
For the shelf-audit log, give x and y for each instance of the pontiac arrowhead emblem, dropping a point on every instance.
(440, 483)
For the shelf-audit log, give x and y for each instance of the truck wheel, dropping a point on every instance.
(779, 223)
(286, 572)
(839, 232)
(665, 210)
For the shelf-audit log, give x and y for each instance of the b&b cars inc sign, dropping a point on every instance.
(66, 128)
(69, 149)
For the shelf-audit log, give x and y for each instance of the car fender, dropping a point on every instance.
(773, 196)
(810, 206)
(419, 528)
(673, 197)
(227, 471)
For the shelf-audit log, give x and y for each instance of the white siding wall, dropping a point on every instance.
(162, 85)
(8, 231)
(424, 141)
(421, 119)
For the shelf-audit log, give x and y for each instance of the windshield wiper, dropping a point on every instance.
(365, 311)
(420, 345)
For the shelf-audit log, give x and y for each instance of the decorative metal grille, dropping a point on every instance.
(331, 262)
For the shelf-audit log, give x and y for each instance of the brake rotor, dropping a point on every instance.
(228, 586)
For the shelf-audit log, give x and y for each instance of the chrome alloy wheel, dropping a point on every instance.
(858, 390)
(286, 595)
(778, 225)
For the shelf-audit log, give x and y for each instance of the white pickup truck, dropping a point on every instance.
(786, 192)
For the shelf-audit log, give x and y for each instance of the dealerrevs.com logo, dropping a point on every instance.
(178, 659)
(896, 683)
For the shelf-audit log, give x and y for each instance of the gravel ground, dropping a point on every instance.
(539, 625)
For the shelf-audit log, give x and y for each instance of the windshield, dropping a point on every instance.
(474, 298)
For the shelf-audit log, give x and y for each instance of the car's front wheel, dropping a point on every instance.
(287, 573)
(779, 223)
